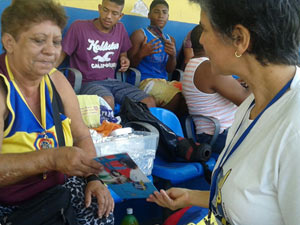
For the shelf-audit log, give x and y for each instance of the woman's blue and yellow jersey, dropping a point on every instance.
(23, 132)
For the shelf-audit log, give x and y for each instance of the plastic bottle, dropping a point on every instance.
(129, 219)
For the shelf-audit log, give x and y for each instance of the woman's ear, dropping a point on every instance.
(8, 42)
(241, 38)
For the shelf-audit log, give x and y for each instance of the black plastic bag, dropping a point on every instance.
(138, 111)
(170, 147)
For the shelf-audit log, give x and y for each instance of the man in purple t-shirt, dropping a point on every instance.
(95, 47)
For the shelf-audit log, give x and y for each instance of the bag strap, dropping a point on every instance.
(57, 107)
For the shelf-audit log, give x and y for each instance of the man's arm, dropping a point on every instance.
(60, 59)
(170, 49)
(140, 48)
(137, 39)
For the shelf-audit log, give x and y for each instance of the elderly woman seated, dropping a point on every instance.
(32, 160)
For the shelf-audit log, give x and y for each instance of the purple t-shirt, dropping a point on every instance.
(187, 43)
(93, 52)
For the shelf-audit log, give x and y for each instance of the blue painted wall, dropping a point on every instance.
(3, 5)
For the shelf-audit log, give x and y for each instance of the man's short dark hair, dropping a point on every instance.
(158, 2)
(118, 2)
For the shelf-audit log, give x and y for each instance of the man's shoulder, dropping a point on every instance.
(120, 26)
(139, 31)
(79, 23)
(120, 30)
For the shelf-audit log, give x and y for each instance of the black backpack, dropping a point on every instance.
(171, 147)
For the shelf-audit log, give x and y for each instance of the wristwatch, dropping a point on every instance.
(92, 178)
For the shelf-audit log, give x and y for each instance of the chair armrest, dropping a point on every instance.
(216, 123)
(78, 78)
(122, 76)
(190, 128)
(138, 76)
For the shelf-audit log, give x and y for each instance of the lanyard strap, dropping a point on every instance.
(240, 140)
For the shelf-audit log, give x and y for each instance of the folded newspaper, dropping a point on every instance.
(124, 177)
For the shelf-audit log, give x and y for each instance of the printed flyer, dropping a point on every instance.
(123, 176)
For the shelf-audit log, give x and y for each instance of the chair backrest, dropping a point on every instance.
(77, 80)
(168, 118)
(190, 129)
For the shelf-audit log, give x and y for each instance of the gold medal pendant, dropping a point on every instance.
(46, 142)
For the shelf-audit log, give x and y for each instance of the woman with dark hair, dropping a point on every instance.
(256, 178)
(33, 157)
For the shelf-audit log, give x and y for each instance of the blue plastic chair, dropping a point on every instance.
(116, 197)
(175, 172)
(169, 119)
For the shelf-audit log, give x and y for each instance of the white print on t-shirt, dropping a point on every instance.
(103, 47)
(104, 58)
(103, 61)
(103, 65)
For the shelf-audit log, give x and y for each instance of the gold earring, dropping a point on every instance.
(237, 55)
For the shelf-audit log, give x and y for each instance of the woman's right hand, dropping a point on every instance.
(173, 198)
(74, 161)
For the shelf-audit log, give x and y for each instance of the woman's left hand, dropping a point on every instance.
(106, 203)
